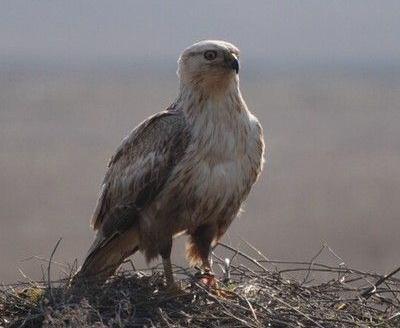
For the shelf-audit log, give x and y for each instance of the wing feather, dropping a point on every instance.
(141, 165)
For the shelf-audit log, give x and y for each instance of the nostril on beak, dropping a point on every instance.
(235, 65)
(232, 62)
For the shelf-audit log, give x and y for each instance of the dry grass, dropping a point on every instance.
(257, 293)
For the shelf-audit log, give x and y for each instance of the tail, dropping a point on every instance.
(105, 256)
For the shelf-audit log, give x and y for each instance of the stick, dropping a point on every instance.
(244, 255)
(368, 292)
(49, 266)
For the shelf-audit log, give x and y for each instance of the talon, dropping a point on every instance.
(208, 279)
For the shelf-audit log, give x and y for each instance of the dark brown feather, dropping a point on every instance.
(142, 164)
(136, 174)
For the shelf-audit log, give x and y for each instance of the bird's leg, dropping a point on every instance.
(206, 265)
(169, 277)
(199, 251)
(165, 253)
(207, 276)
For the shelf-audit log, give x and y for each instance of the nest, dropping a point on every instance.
(254, 292)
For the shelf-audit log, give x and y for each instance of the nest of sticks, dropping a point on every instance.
(254, 292)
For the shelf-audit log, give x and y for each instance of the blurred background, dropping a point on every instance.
(322, 77)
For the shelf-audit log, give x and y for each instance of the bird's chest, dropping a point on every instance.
(218, 174)
(216, 182)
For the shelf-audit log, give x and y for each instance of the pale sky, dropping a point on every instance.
(281, 30)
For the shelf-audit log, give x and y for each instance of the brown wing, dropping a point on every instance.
(140, 167)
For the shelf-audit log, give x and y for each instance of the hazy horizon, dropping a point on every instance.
(332, 172)
(322, 77)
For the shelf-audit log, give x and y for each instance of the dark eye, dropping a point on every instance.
(210, 55)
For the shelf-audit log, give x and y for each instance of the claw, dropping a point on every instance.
(209, 280)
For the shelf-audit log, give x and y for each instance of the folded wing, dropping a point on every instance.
(136, 174)
(141, 165)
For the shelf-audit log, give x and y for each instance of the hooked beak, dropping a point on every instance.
(233, 62)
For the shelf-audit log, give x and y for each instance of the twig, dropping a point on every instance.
(367, 293)
(311, 264)
(297, 310)
(254, 297)
(244, 255)
(255, 249)
(49, 267)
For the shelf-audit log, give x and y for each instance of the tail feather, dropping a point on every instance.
(105, 256)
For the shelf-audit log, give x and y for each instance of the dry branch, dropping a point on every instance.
(257, 295)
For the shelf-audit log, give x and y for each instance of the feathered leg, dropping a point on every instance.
(198, 251)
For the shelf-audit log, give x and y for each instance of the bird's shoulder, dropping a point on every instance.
(151, 134)
(255, 124)
(258, 144)
(142, 163)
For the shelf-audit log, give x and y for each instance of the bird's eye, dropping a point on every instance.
(210, 55)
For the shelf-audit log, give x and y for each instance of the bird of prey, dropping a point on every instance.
(186, 169)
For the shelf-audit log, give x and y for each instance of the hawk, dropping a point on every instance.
(187, 169)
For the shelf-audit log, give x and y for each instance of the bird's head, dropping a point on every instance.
(209, 65)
